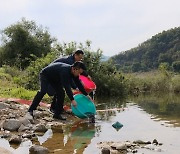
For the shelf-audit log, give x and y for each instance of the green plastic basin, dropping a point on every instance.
(85, 107)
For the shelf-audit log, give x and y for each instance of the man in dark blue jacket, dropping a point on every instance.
(77, 56)
(59, 76)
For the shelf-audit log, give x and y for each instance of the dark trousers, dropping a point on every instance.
(54, 101)
(51, 92)
(44, 82)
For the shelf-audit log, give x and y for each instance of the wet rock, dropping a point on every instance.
(15, 139)
(40, 128)
(140, 142)
(155, 142)
(127, 146)
(36, 149)
(11, 124)
(134, 151)
(148, 142)
(105, 151)
(119, 146)
(160, 143)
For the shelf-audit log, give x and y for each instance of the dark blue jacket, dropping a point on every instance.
(69, 60)
(60, 73)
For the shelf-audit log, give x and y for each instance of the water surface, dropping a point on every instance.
(146, 118)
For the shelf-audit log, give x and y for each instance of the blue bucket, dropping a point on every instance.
(85, 107)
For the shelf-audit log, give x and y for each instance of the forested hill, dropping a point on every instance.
(163, 48)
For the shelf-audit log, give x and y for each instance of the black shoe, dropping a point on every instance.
(59, 117)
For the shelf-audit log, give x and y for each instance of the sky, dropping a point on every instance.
(111, 25)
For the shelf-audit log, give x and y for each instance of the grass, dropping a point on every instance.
(10, 90)
(155, 81)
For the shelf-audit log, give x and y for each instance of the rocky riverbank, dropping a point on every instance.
(18, 126)
(128, 147)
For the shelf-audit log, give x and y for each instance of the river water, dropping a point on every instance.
(145, 118)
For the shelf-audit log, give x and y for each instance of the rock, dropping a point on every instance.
(128, 144)
(119, 146)
(36, 149)
(37, 114)
(11, 124)
(29, 117)
(155, 142)
(105, 151)
(15, 139)
(40, 128)
(148, 142)
(134, 151)
(23, 128)
(139, 142)
(25, 121)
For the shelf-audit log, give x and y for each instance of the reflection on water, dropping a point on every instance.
(164, 107)
(106, 108)
(71, 138)
(146, 117)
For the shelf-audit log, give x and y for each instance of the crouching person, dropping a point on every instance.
(59, 76)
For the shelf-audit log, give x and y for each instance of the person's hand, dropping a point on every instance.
(74, 103)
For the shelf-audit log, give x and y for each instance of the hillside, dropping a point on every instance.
(161, 48)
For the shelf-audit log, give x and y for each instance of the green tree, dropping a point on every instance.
(136, 67)
(176, 66)
(24, 42)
